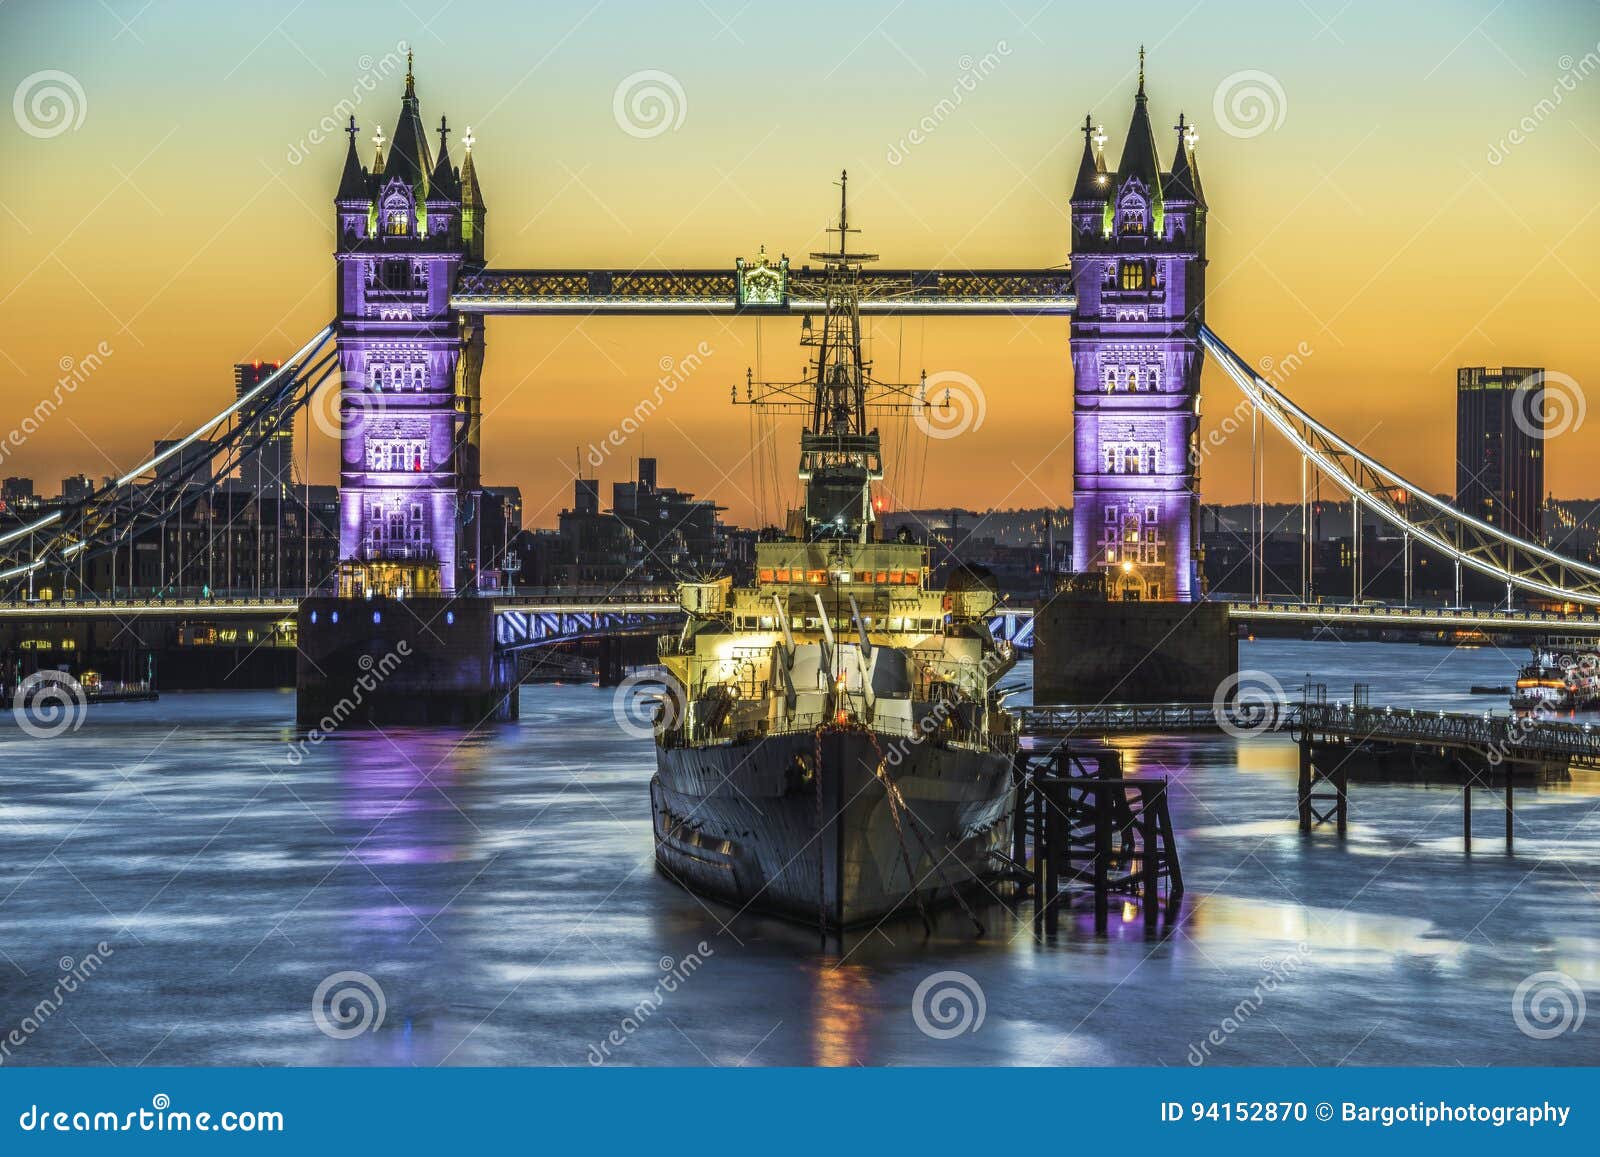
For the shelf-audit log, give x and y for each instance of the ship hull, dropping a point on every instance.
(751, 824)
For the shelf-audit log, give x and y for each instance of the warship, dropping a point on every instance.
(831, 742)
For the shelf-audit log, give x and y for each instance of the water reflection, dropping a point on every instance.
(843, 995)
(499, 887)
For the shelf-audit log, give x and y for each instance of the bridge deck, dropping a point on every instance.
(1010, 292)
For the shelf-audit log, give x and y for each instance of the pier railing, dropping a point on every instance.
(1526, 737)
(1529, 737)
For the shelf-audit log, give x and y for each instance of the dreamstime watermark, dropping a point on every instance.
(1548, 1004)
(1275, 370)
(1248, 103)
(648, 103)
(73, 974)
(949, 404)
(1249, 703)
(74, 372)
(644, 706)
(674, 974)
(1572, 71)
(1548, 404)
(942, 711)
(947, 1004)
(49, 703)
(48, 103)
(973, 72)
(347, 1004)
(674, 372)
(1273, 974)
(337, 119)
(348, 409)
(373, 673)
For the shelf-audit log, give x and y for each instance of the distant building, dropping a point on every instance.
(16, 489)
(269, 466)
(1500, 447)
(674, 532)
(77, 488)
(192, 462)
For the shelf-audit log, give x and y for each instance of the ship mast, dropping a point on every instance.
(839, 456)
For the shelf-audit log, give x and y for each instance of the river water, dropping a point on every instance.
(496, 891)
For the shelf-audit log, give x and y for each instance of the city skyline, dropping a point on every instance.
(185, 243)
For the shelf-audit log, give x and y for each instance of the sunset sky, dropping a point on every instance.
(1383, 217)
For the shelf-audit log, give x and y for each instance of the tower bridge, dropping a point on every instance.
(407, 344)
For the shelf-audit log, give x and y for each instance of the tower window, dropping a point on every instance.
(396, 216)
(1132, 215)
(396, 454)
(1133, 275)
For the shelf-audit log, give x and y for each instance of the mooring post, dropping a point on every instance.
(1039, 897)
(1341, 785)
(1509, 808)
(1305, 785)
(1102, 854)
(1151, 862)
(1019, 825)
(1055, 845)
(1466, 815)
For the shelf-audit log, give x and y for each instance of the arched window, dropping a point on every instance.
(1132, 214)
(1111, 459)
(1133, 275)
(1153, 378)
(1110, 376)
(396, 216)
(1133, 377)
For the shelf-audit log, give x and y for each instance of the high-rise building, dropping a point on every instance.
(267, 463)
(1138, 269)
(78, 488)
(16, 489)
(1500, 447)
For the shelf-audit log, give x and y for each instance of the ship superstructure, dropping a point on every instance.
(834, 746)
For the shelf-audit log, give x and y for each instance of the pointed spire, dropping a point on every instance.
(378, 140)
(444, 185)
(1091, 182)
(353, 182)
(1183, 183)
(1139, 151)
(409, 156)
(473, 210)
(471, 195)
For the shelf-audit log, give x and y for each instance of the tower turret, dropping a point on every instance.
(473, 210)
(407, 474)
(1139, 278)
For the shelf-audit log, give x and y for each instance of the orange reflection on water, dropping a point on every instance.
(843, 991)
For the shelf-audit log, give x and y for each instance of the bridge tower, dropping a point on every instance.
(409, 365)
(1138, 268)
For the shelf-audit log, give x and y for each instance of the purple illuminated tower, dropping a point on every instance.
(409, 365)
(1138, 267)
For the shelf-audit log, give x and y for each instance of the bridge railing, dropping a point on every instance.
(1443, 616)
